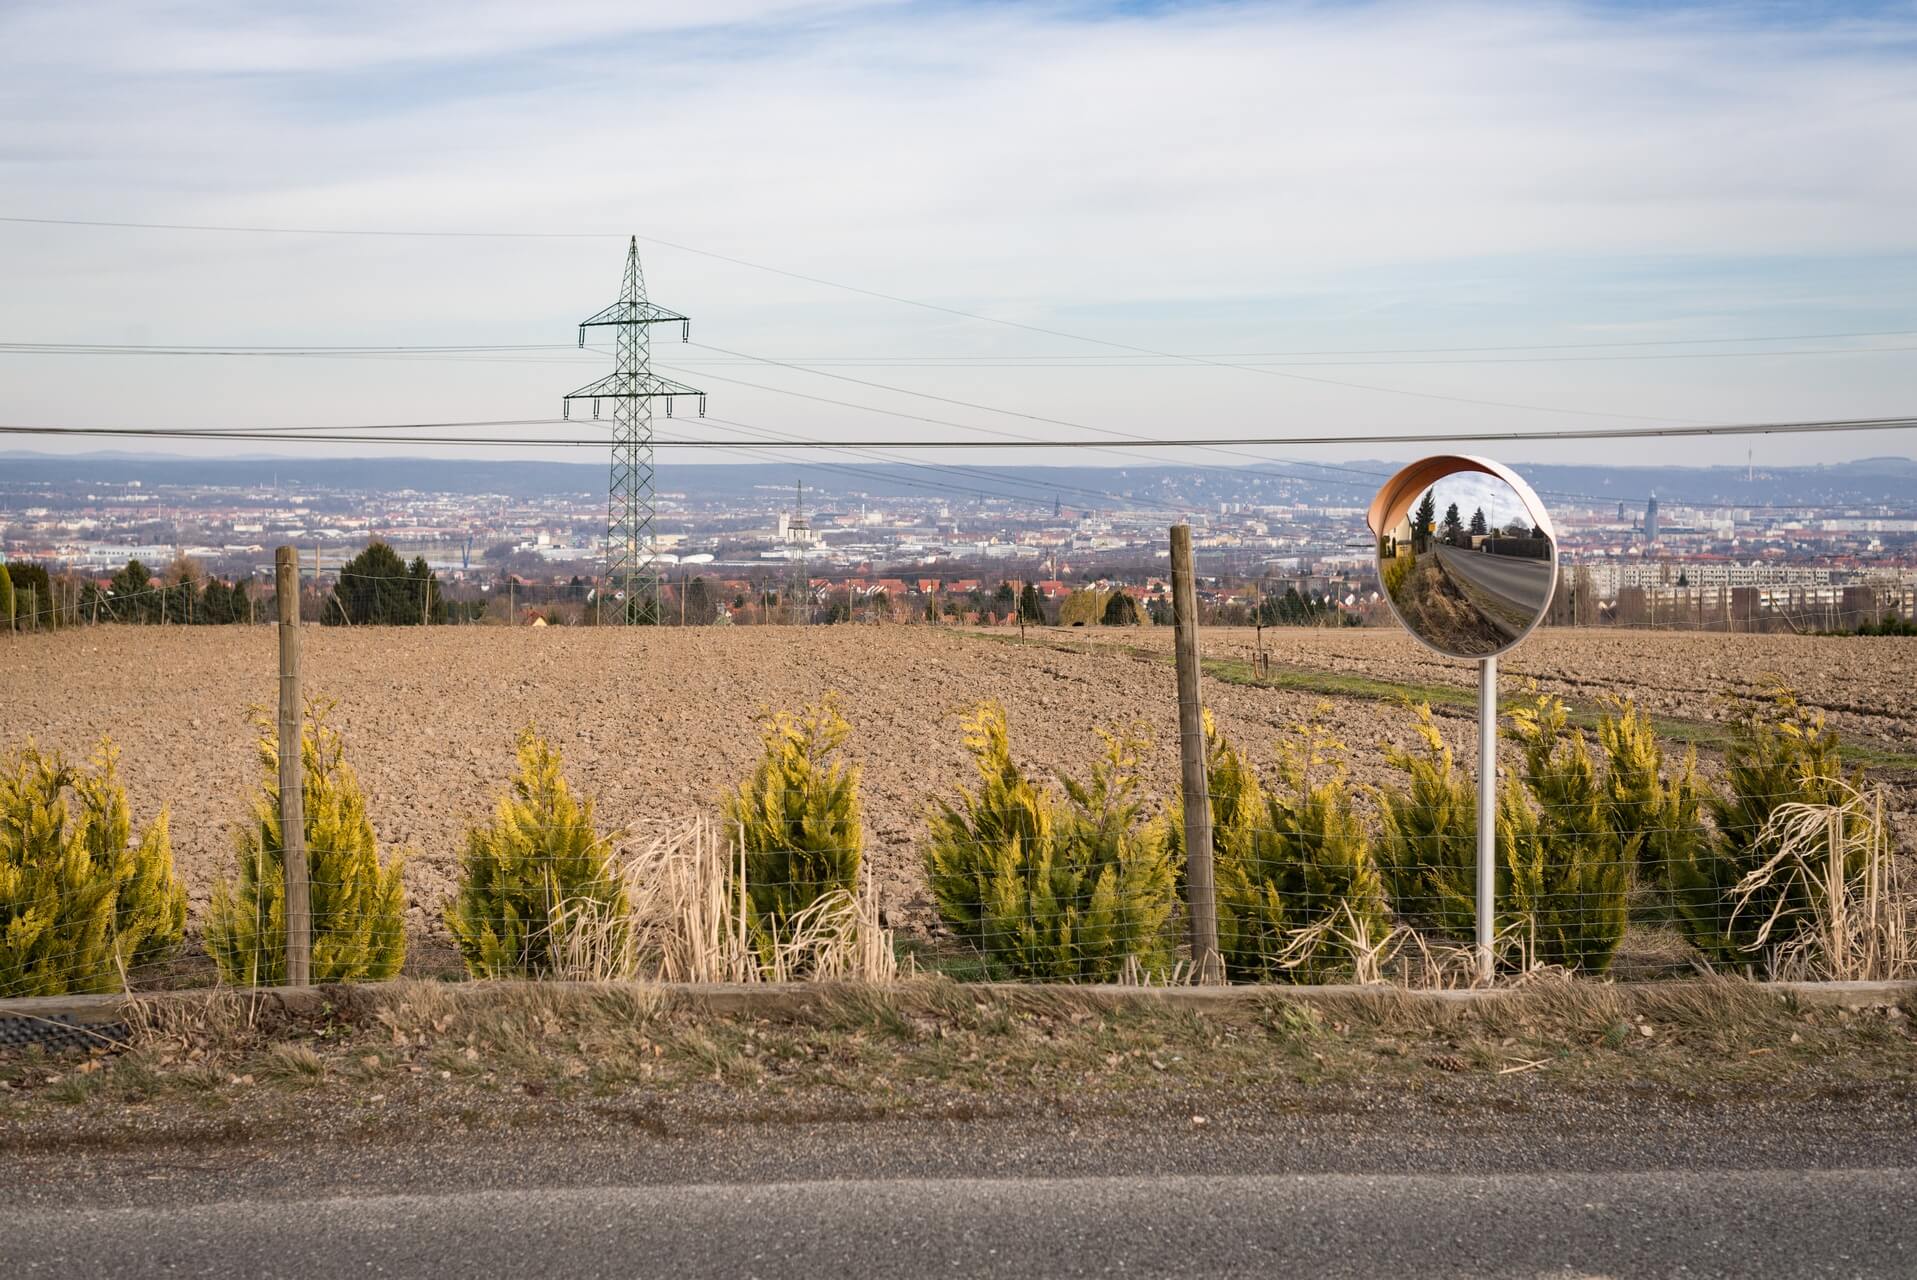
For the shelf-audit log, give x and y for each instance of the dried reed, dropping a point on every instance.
(1863, 912)
(687, 922)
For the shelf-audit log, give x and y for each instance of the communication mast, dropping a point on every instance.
(632, 567)
(798, 537)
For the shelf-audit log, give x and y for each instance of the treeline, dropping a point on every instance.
(374, 588)
(31, 599)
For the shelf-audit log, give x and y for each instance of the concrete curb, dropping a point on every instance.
(784, 1000)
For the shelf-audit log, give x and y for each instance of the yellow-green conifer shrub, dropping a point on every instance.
(522, 873)
(1569, 875)
(795, 821)
(1639, 800)
(1782, 753)
(1428, 833)
(80, 902)
(1072, 891)
(358, 903)
(149, 911)
(1299, 893)
(56, 898)
(1237, 802)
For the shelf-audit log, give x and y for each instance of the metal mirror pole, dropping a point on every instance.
(1487, 808)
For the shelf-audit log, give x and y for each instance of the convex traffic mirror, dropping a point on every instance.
(1467, 557)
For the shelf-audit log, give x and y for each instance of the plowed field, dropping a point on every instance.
(656, 723)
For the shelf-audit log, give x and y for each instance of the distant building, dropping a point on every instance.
(1650, 519)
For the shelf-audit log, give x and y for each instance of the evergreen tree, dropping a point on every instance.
(1068, 892)
(1478, 526)
(1570, 873)
(1298, 888)
(183, 590)
(1428, 834)
(149, 910)
(376, 588)
(216, 603)
(1639, 801)
(1029, 607)
(1424, 520)
(32, 595)
(79, 900)
(358, 904)
(528, 870)
(6, 598)
(1121, 610)
(425, 588)
(1453, 525)
(130, 594)
(795, 822)
(1782, 754)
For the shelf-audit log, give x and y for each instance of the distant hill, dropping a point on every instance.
(1866, 481)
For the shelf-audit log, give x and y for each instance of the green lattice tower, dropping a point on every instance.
(632, 567)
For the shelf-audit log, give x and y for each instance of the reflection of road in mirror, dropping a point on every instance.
(1508, 590)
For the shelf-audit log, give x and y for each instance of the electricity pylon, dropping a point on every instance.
(799, 535)
(632, 567)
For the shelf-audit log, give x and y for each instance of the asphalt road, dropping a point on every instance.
(1854, 1222)
(1521, 584)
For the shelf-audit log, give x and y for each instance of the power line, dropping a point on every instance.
(1242, 362)
(962, 361)
(337, 435)
(315, 231)
(255, 349)
(746, 358)
(1117, 450)
(1402, 351)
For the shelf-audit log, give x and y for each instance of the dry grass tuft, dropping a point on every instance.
(292, 1061)
(1863, 924)
(690, 922)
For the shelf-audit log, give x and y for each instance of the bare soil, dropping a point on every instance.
(655, 724)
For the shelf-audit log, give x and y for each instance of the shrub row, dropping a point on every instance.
(1079, 882)
(1308, 890)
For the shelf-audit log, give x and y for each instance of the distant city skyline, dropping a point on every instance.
(1400, 217)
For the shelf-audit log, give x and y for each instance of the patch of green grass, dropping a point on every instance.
(1339, 684)
(1705, 735)
(958, 965)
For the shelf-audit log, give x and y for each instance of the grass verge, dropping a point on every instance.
(420, 1056)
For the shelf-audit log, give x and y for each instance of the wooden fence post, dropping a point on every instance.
(1199, 878)
(299, 911)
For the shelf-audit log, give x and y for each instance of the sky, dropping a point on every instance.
(1474, 492)
(1543, 215)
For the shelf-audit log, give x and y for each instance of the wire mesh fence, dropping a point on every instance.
(1784, 867)
(1828, 900)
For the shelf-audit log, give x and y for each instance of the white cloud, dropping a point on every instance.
(1218, 178)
